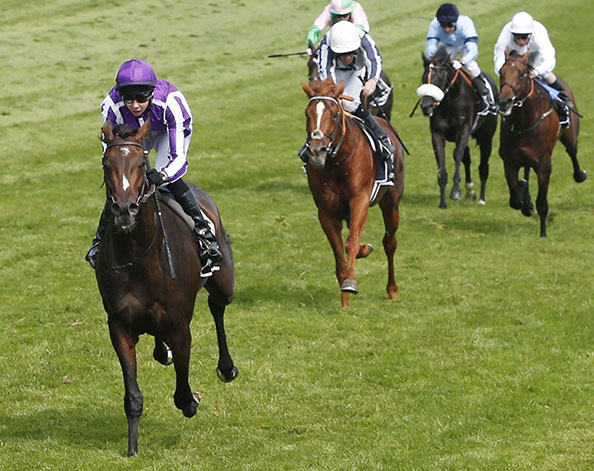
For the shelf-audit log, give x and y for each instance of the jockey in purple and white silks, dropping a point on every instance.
(523, 34)
(349, 54)
(338, 10)
(139, 97)
(459, 36)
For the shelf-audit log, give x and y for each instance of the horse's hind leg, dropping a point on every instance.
(571, 147)
(391, 215)
(442, 174)
(226, 370)
(542, 205)
(470, 193)
(124, 343)
(162, 353)
(486, 146)
(524, 192)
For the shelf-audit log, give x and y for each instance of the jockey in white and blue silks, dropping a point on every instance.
(459, 36)
(139, 97)
(349, 54)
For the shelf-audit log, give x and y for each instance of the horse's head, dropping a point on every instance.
(436, 78)
(124, 170)
(325, 119)
(515, 81)
(312, 63)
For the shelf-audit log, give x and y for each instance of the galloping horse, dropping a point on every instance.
(449, 99)
(149, 277)
(529, 130)
(382, 96)
(341, 172)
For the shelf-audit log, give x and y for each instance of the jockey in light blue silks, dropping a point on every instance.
(523, 34)
(139, 97)
(459, 36)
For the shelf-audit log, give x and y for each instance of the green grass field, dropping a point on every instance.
(483, 362)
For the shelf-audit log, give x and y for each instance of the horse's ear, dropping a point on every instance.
(426, 61)
(340, 88)
(143, 131)
(107, 132)
(507, 53)
(526, 56)
(307, 89)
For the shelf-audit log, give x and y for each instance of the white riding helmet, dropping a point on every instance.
(344, 37)
(522, 23)
(342, 7)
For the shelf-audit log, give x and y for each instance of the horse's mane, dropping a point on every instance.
(441, 56)
(325, 88)
(124, 130)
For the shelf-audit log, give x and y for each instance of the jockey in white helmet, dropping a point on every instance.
(524, 34)
(338, 10)
(348, 53)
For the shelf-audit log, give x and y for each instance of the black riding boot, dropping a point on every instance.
(207, 243)
(366, 116)
(91, 256)
(484, 103)
(563, 103)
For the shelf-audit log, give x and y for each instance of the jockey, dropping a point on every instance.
(459, 36)
(523, 34)
(350, 54)
(338, 10)
(137, 97)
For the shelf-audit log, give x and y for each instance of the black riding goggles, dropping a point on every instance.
(447, 24)
(138, 97)
(521, 36)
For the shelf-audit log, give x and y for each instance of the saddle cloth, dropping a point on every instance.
(167, 197)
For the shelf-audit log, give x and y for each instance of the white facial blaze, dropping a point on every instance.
(320, 111)
(125, 151)
(125, 183)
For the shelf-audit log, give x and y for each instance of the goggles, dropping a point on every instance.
(138, 97)
(447, 24)
(521, 36)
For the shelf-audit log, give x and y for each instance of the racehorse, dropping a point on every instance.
(529, 130)
(341, 172)
(383, 96)
(149, 277)
(449, 99)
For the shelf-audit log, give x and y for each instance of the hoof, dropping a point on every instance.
(580, 176)
(349, 286)
(365, 250)
(482, 202)
(456, 194)
(191, 410)
(528, 210)
(163, 355)
(228, 376)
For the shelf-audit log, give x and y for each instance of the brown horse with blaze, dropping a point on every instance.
(341, 173)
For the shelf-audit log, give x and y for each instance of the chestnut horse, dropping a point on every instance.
(341, 172)
(148, 272)
(529, 130)
(449, 100)
(382, 96)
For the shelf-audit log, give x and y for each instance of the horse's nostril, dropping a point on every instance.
(133, 209)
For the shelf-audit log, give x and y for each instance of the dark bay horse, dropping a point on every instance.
(449, 99)
(529, 130)
(383, 95)
(341, 172)
(148, 272)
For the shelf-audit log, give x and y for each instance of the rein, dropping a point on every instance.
(451, 83)
(519, 103)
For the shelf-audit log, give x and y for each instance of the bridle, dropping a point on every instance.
(519, 102)
(340, 124)
(447, 84)
(142, 198)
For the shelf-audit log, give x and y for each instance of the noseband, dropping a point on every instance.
(447, 86)
(516, 101)
(318, 134)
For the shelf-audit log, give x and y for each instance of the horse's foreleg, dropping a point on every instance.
(511, 176)
(486, 146)
(226, 370)
(391, 216)
(442, 174)
(180, 342)
(571, 147)
(332, 227)
(470, 193)
(460, 149)
(359, 208)
(124, 343)
(542, 205)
